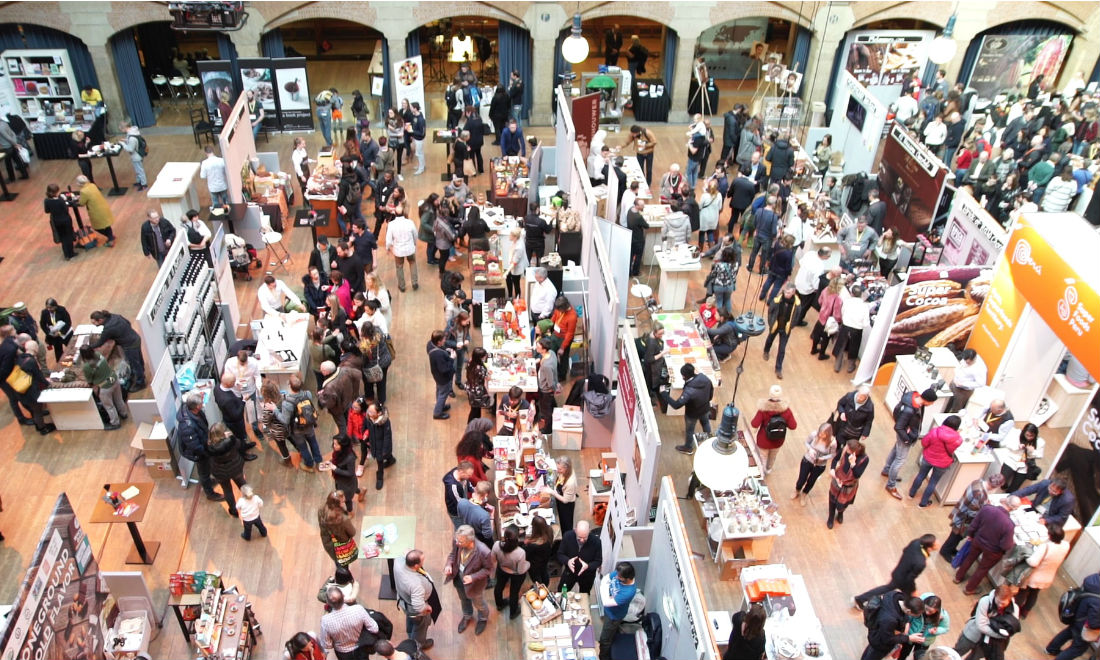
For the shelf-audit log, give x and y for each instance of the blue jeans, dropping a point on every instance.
(306, 444)
(1071, 633)
(692, 173)
(772, 286)
(894, 461)
(326, 127)
(256, 128)
(442, 391)
(219, 197)
(517, 113)
(139, 170)
(689, 428)
(722, 299)
(925, 468)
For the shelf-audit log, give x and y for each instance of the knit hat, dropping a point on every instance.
(775, 392)
(929, 395)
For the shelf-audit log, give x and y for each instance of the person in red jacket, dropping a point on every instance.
(773, 419)
(565, 326)
(939, 447)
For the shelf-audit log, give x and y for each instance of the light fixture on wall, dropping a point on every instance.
(943, 48)
(575, 47)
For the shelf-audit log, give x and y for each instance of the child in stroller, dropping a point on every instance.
(242, 256)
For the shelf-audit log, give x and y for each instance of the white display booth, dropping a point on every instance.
(883, 60)
(857, 123)
(636, 440)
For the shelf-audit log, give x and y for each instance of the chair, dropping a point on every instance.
(179, 89)
(836, 163)
(201, 125)
(194, 89)
(273, 241)
(160, 86)
(644, 293)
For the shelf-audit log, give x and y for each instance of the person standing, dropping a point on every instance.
(380, 439)
(780, 320)
(248, 508)
(580, 554)
(226, 466)
(914, 559)
(38, 382)
(457, 486)
(767, 228)
(564, 491)
(157, 234)
(547, 382)
(811, 267)
(100, 215)
(511, 140)
(908, 417)
(60, 220)
(991, 536)
(193, 431)
(57, 326)
(472, 512)
(773, 419)
(636, 57)
(468, 567)
(891, 625)
(9, 352)
(973, 499)
(820, 449)
(512, 567)
(1044, 562)
(612, 45)
(342, 385)
(416, 597)
(9, 143)
(401, 237)
(106, 386)
(116, 328)
(636, 223)
(969, 375)
(938, 454)
(324, 116)
(565, 326)
(617, 590)
(135, 145)
(985, 631)
(342, 466)
(855, 316)
(645, 142)
(232, 408)
(747, 639)
(213, 170)
(245, 370)
(417, 132)
(848, 466)
(695, 398)
(299, 412)
(442, 363)
(337, 530)
(342, 626)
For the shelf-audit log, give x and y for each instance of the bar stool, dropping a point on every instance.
(179, 90)
(194, 89)
(160, 86)
(273, 240)
(644, 294)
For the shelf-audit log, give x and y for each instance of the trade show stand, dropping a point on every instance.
(676, 265)
(911, 374)
(793, 629)
(176, 189)
(687, 343)
(521, 470)
(283, 346)
(741, 526)
(972, 458)
(654, 215)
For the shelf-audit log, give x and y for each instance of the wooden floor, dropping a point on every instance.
(281, 574)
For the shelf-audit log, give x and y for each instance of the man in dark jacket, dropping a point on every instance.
(57, 326)
(908, 415)
(1062, 502)
(515, 94)
(904, 576)
(342, 385)
(119, 330)
(192, 432)
(1086, 614)
(511, 140)
(767, 226)
(991, 536)
(157, 235)
(9, 350)
(780, 318)
(731, 132)
(231, 406)
(891, 622)
(637, 225)
(322, 257)
(580, 554)
(695, 400)
(442, 363)
(855, 412)
(781, 156)
(876, 211)
(476, 127)
(742, 190)
(26, 361)
(350, 264)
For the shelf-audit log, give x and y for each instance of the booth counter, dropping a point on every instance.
(911, 374)
(321, 189)
(654, 215)
(282, 349)
(633, 171)
(175, 188)
(793, 629)
(687, 343)
(562, 628)
(509, 183)
(676, 265)
(521, 470)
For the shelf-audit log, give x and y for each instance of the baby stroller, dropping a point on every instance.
(242, 256)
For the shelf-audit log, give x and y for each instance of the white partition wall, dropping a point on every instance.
(636, 440)
(238, 146)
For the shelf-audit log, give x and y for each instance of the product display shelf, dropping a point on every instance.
(43, 84)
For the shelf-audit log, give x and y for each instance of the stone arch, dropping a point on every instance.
(660, 12)
(725, 12)
(929, 12)
(352, 12)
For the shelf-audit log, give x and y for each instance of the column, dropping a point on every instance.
(544, 20)
(108, 84)
(830, 25)
(396, 44)
(681, 78)
(247, 39)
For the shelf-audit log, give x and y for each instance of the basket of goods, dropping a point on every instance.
(542, 603)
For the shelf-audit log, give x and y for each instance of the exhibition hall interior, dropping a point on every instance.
(549, 330)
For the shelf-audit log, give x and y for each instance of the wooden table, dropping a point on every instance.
(178, 603)
(142, 552)
(399, 547)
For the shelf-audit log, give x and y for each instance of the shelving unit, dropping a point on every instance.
(42, 80)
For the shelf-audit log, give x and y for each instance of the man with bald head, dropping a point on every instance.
(991, 536)
(580, 554)
(855, 412)
(232, 407)
(995, 423)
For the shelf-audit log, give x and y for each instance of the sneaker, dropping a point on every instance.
(418, 172)
(685, 449)
(400, 178)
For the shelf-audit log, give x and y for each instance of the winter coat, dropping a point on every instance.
(781, 313)
(427, 226)
(342, 530)
(939, 446)
(765, 410)
(859, 419)
(781, 156)
(907, 419)
(677, 228)
(912, 563)
(225, 459)
(116, 328)
(782, 263)
(750, 142)
(192, 430)
(99, 213)
(695, 397)
(710, 207)
(343, 472)
(444, 234)
(380, 435)
(339, 390)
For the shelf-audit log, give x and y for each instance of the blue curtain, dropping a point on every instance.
(1095, 77)
(131, 80)
(672, 43)
(44, 37)
(1036, 28)
(514, 46)
(838, 65)
(387, 87)
(227, 50)
(271, 44)
(412, 43)
(10, 37)
(928, 78)
(801, 56)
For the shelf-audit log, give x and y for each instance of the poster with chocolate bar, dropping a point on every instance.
(937, 308)
(911, 181)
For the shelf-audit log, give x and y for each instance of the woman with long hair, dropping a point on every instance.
(375, 351)
(274, 427)
(375, 289)
(538, 547)
(747, 635)
(517, 263)
(471, 448)
(226, 463)
(887, 250)
(304, 646)
(1025, 450)
(395, 135)
(829, 304)
(334, 312)
(343, 469)
(477, 375)
(564, 491)
(848, 467)
(1044, 562)
(429, 208)
(336, 527)
(512, 567)
(820, 449)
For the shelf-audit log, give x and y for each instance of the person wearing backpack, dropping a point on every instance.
(299, 413)
(135, 145)
(888, 622)
(1084, 625)
(914, 559)
(773, 419)
(908, 415)
(616, 592)
(989, 626)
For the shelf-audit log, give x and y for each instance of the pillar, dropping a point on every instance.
(396, 44)
(247, 39)
(544, 20)
(830, 25)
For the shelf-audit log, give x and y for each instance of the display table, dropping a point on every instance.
(654, 215)
(505, 331)
(910, 374)
(283, 346)
(176, 190)
(567, 634)
(398, 537)
(321, 190)
(972, 460)
(1069, 398)
(317, 220)
(72, 408)
(521, 470)
(633, 171)
(109, 154)
(508, 186)
(446, 138)
(651, 100)
(789, 634)
(226, 628)
(506, 371)
(675, 267)
(567, 428)
(687, 343)
(741, 527)
(104, 513)
(1029, 527)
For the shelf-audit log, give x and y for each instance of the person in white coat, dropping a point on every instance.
(710, 207)
(401, 243)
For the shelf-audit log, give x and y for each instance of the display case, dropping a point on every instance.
(486, 269)
(225, 627)
(793, 629)
(46, 90)
(741, 525)
(509, 180)
(608, 85)
(506, 331)
(321, 190)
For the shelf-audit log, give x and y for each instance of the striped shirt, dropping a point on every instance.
(340, 628)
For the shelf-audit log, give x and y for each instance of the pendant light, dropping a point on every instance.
(575, 47)
(943, 48)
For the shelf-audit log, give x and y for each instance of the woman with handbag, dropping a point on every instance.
(512, 567)
(337, 530)
(1044, 562)
(376, 358)
(828, 318)
(1025, 449)
(476, 391)
(342, 466)
(848, 467)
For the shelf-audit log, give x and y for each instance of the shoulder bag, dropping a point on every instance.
(19, 380)
(346, 552)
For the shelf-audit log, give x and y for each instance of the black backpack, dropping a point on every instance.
(776, 428)
(142, 147)
(1067, 604)
(871, 606)
(305, 414)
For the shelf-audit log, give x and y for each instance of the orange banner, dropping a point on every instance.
(998, 318)
(1067, 303)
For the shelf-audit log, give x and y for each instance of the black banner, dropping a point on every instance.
(258, 76)
(1081, 460)
(292, 95)
(218, 91)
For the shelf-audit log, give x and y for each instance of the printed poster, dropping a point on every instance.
(257, 77)
(1011, 62)
(727, 48)
(218, 91)
(586, 121)
(911, 180)
(408, 80)
(998, 318)
(971, 237)
(292, 87)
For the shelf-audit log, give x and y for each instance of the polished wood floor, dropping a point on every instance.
(281, 574)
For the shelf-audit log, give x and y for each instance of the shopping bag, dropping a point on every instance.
(85, 238)
(961, 554)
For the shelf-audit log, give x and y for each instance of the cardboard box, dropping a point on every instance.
(152, 440)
